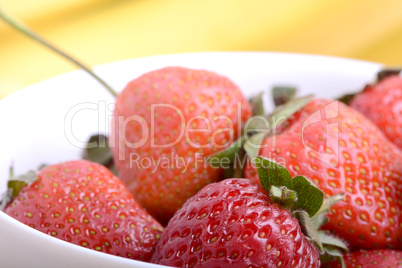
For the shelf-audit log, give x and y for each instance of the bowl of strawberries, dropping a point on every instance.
(251, 159)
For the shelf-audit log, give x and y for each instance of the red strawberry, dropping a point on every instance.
(85, 204)
(376, 258)
(342, 151)
(234, 223)
(382, 104)
(163, 175)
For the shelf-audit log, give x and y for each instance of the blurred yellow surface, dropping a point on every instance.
(100, 31)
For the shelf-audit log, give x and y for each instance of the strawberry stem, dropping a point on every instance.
(308, 197)
(14, 23)
(283, 196)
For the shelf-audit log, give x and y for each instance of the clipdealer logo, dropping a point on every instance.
(103, 113)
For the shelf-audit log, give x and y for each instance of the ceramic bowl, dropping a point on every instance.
(49, 122)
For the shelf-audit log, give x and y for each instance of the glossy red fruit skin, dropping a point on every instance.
(362, 163)
(233, 223)
(376, 258)
(85, 204)
(382, 104)
(162, 189)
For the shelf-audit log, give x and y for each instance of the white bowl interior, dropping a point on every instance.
(49, 122)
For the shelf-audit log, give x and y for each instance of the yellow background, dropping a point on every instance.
(100, 31)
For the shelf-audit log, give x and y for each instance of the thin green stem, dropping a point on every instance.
(14, 23)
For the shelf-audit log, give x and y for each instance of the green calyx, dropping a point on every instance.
(258, 127)
(308, 198)
(278, 117)
(305, 202)
(229, 153)
(257, 105)
(283, 94)
(97, 150)
(15, 184)
(389, 71)
(283, 196)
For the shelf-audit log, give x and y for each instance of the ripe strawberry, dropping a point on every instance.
(382, 104)
(235, 223)
(376, 258)
(85, 204)
(197, 113)
(342, 151)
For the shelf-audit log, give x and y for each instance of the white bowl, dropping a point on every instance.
(49, 122)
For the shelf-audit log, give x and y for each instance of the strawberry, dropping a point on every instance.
(164, 125)
(237, 223)
(85, 204)
(376, 258)
(382, 104)
(342, 151)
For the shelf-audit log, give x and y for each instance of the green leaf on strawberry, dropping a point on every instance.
(333, 247)
(283, 112)
(272, 174)
(309, 229)
(384, 73)
(257, 105)
(252, 145)
(347, 98)
(17, 183)
(320, 218)
(283, 94)
(331, 254)
(309, 197)
(257, 128)
(97, 150)
(229, 153)
(278, 117)
(332, 241)
(304, 200)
